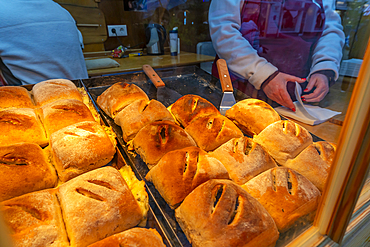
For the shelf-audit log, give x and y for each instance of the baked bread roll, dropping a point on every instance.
(35, 219)
(286, 195)
(190, 107)
(284, 140)
(243, 158)
(252, 115)
(314, 162)
(80, 148)
(158, 138)
(138, 114)
(96, 205)
(219, 213)
(118, 96)
(24, 168)
(21, 125)
(212, 131)
(56, 89)
(62, 113)
(180, 171)
(15, 97)
(134, 237)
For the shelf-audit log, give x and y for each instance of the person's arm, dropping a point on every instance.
(241, 57)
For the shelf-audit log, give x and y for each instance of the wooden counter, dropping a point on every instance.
(130, 64)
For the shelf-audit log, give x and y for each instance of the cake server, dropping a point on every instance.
(228, 99)
(165, 95)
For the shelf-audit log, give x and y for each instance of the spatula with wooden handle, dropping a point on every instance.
(228, 99)
(165, 95)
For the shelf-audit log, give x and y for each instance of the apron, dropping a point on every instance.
(284, 32)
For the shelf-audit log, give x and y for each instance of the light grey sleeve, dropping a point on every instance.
(241, 57)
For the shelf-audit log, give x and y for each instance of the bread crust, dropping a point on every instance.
(134, 237)
(35, 219)
(140, 113)
(21, 125)
(314, 162)
(180, 171)
(118, 96)
(252, 115)
(212, 131)
(15, 97)
(243, 158)
(286, 195)
(62, 113)
(158, 138)
(96, 205)
(24, 168)
(190, 107)
(284, 140)
(220, 213)
(79, 148)
(51, 90)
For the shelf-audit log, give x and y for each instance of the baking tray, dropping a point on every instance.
(184, 80)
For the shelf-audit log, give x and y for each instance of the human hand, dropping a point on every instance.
(321, 83)
(276, 89)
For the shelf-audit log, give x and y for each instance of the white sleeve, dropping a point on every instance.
(242, 59)
(328, 51)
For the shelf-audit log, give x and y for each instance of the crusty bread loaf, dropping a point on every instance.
(118, 96)
(15, 97)
(314, 162)
(243, 159)
(138, 114)
(180, 171)
(284, 140)
(220, 213)
(158, 138)
(35, 219)
(56, 89)
(190, 107)
(79, 148)
(212, 131)
(21, 125)
(252, 115)
(286, 195)
(134, 237)
(96, 205)
(24, 168)
(62, 113)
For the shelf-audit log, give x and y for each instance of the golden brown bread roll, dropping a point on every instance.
(284, 140)
(24, 168)
(252, 115)
(220, 213)
(15, 97)
(243, 158)
(134, 237)
(314, 162)
(212, 131)
(118, 96)
(21, 125)
(56, 89)
(158, 138)
(79, 148)
(96, 205)
(286, 195)
(190, 107)
(62, 113)
(35, 219)
(180, 171)
(138, 114)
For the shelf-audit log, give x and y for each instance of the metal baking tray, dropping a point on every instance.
(184, 80)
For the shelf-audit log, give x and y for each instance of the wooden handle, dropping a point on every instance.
(153, 76)
(223, 73)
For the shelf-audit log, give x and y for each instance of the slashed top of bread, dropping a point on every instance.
(15, 97)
